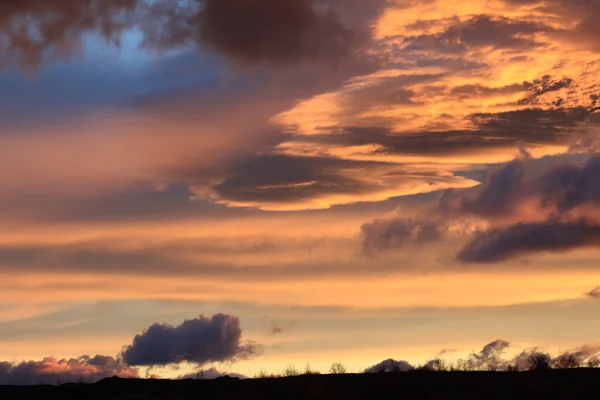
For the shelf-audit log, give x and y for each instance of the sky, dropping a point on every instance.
(241, 185)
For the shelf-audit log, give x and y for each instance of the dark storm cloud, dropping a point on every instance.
(29, 29)
(263, 30)
(383, 235)
(199, 341)
(51, 371)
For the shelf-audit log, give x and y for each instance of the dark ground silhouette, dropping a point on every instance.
(578, 383)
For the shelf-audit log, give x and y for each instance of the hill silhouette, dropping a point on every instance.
(574, 383)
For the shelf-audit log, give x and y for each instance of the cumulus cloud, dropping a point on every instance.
(51, 370)
(390, 365)
(199, 341)
(30, 29)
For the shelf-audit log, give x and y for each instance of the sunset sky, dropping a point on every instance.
(317, 180)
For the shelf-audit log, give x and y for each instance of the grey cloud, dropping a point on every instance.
(199, 341)
(566, 195)
(530, 359)
(562, 188)
(51, 371)
(269, 180)
(594, 293)
(568, 186)
(448, 351)
(281, 178)
(501, 244)
(498, 195)
(388, 234)
(29, 29)
(390, 365)
(490, 355)
(211, 259)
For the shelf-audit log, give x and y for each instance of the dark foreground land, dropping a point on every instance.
(553, 384)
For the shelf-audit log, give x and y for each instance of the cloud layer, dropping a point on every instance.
(554, 210)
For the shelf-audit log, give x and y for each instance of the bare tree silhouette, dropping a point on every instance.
(337, 368)
(566, 360)
(593, 362)
(538, 361)
(291, 371)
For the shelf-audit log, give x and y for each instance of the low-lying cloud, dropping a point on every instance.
(490, 355)
(390, 365)
(51, 371)
(195, 341)
(198, 341)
